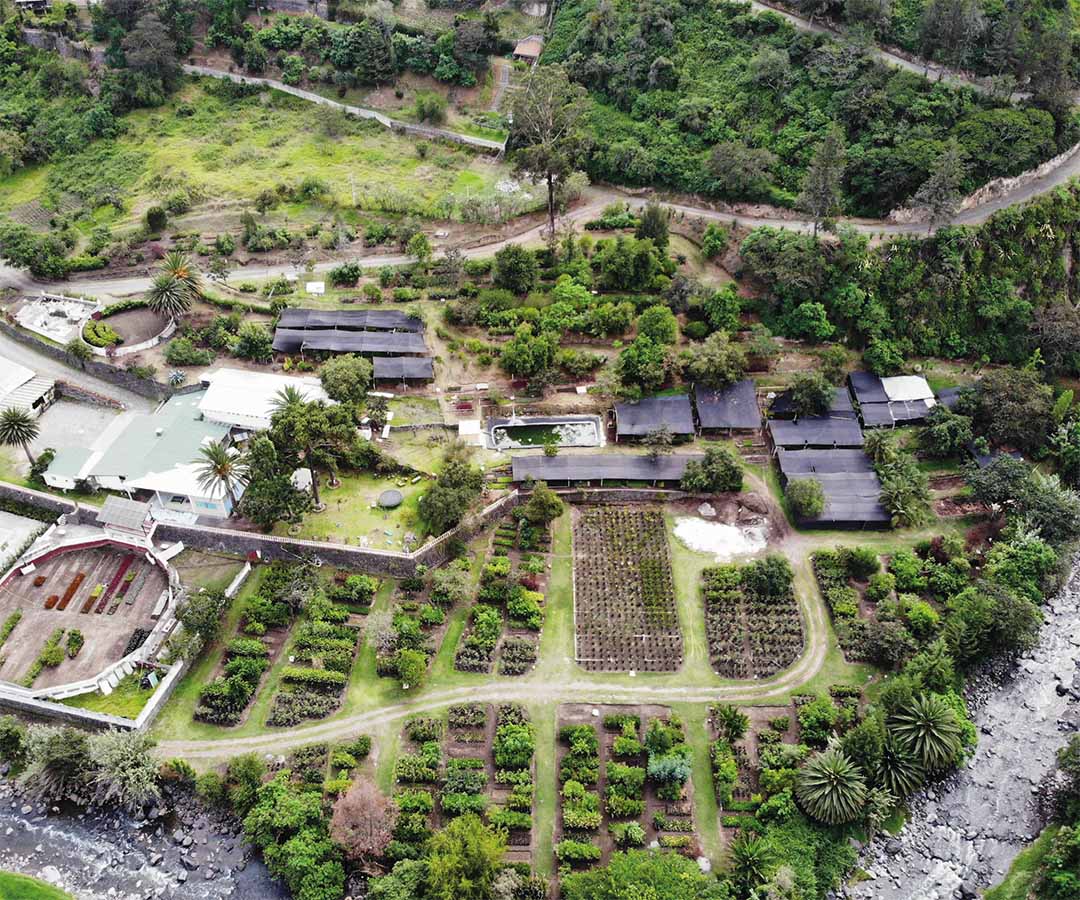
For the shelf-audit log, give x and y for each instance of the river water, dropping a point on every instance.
(964, 834)
(108, 855)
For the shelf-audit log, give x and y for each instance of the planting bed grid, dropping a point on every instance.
(677, 815)
(745, 797)
(625, 615)
(411, 598)
(467, 734)
(528, 546)
(749, 636)
(845, 594)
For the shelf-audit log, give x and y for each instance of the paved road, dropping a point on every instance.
(51, 368)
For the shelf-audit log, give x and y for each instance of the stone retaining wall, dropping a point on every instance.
(71, 391)
(144, 387)
(67, 48)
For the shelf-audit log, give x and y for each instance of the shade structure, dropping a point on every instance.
(851, 486)
(407, 368)
(651, 413)
(581, 467)
(296, 340)
(841, 407)
(119, 512)
(817, 432)
(731, 407)
(350, 319)
(885, 402)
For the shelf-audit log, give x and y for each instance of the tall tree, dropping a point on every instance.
(221, 468)
(465, 857)
(545, 130)
(363, 824)
(18, 428)
(1049, 56)
(820, 196)
(949, 29)
(939, 196)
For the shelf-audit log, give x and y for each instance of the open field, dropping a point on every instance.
(220, 153)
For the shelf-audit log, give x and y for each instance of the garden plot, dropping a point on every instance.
(853, 585)
(328, 767)
(624, 775)
(738, 738)
(528, 547)
(406, 639)
(752, 618)
(504, 590)
(479, 760)
(624, 597)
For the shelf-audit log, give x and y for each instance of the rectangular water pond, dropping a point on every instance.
(538, 431)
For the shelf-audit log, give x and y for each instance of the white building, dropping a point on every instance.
(247, 400)
(22, 389)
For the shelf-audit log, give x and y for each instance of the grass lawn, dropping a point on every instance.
(1024, 871)
(350, 519)
(127, 699)
(22, 887)
(415, 411)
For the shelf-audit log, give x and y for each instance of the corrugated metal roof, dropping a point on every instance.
(123, 513)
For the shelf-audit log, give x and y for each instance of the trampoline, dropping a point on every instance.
(390, 499)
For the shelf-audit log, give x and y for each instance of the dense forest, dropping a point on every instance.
(1000, 291)
(717, 100)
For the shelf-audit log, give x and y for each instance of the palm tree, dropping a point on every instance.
(287, 397)
(176, 286)
(731, 722)
(179, 266)
(880, 446)
(223, 468)
(751, 862)
(899, 772)
(831, 788)
(18, 427)
(929, 729)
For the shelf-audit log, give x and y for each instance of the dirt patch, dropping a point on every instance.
(137, 325)
(950, 508)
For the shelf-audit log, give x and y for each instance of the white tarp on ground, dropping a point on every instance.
(725, 542)
(907, 387)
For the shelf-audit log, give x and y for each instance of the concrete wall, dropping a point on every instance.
(144, 387)
(59, 714)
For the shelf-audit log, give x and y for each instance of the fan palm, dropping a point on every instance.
(18, 427)
(751, 862)
(899, 772)
(224, 468)
(831, 788)
(929, 729)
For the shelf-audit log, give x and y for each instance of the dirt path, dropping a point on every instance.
(501, 71)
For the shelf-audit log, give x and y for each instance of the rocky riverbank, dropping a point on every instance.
(177, 851)
(964, 833)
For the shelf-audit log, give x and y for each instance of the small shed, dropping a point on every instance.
(529, 49)
(649, 414)
(128, 517)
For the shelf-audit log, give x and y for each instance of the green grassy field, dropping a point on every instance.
(350, 518)
(1024, 871)
(21, 887)
(214, 149)
(127, 699)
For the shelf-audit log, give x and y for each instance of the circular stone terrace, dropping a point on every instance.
(119, 595)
